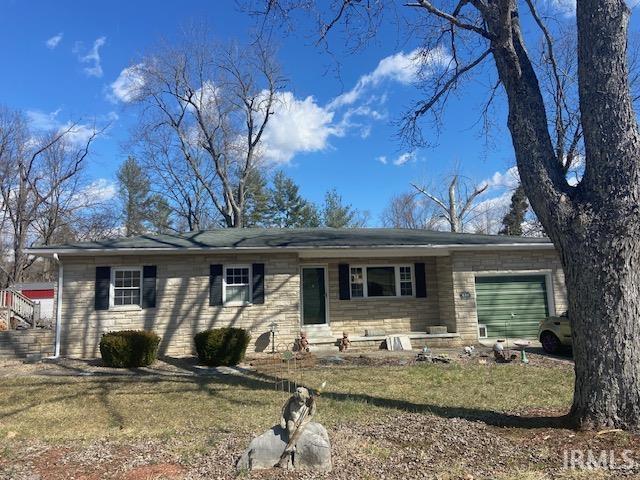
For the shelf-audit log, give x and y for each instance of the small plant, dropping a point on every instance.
(129, 348)
(222, 346)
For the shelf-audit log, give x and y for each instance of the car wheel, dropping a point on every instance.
(550, 342)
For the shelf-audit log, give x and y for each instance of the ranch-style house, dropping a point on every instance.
(438, 288)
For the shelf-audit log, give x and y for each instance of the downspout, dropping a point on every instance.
(56, 353)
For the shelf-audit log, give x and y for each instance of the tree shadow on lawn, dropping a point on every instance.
(202, 380)
(260, 381)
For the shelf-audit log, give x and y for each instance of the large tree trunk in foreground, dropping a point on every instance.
(596, 225)
(603, 282)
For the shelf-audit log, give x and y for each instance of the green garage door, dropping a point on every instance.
(511, 306)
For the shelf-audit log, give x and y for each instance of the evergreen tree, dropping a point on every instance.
(256, 200)
(337, 215)
(512, 221)
(160, 214)
(134, 189)
(287, 208)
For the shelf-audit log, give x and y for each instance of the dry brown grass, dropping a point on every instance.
(197, 415)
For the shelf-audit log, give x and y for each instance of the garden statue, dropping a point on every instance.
(303, 342)
(298, 410)
(344, 342)
(296, 443)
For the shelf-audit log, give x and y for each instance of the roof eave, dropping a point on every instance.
(306, 251)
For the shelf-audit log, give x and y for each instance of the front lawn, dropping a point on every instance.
(440, 421)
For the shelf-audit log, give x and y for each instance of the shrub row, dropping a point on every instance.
(139, 348)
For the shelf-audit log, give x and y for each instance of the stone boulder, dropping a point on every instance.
(313, 450)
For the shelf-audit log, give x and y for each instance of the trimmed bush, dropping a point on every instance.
(129, 348)
(222, 346)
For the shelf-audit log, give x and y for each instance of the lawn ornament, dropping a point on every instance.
(296, 443)
(469, 350)
(303, 343)
(344, 342)
(298, 410)
(501, 354)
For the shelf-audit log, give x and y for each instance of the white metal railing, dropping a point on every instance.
(18, 305)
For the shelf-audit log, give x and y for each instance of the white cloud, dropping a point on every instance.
(92, 57)
(76, 133)
(53, 42)
(404, 158)
(126, 88)
(564, 7)
(382, 159)
(296, 126)
(404, 68)
(100, 190)
(509, 179)
(43, 121)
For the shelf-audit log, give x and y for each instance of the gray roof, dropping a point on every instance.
(260, 238)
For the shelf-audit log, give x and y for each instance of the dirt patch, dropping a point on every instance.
(159, 471)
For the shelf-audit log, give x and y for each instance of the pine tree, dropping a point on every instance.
(134, 188)
(256, 200)
(512, 221)
(287, 208)
(159, 214)
(337, 215)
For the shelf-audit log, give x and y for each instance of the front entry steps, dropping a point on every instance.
(320, 338)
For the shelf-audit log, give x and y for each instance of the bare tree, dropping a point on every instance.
(458, 206)
(36, 172)
(207, 106)
(595, 224)
(407, 210)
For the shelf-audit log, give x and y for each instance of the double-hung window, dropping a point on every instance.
(381, 281)
(127, 286)
(237, 286)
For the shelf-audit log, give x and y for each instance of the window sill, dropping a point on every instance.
(390, 297)
(126, 308)
(246, 304)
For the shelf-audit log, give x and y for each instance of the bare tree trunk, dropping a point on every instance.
(453, 206)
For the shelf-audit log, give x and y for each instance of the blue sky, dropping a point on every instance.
(60, 60)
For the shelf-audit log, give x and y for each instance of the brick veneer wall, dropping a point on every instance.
(466, 265)
(182, 307)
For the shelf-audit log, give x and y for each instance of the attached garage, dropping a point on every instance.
(511, 306)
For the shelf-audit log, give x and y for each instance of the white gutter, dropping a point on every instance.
(56, 352)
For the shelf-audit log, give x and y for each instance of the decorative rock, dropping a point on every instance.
(313, 450)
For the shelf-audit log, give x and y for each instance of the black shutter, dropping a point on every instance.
(215, 285)
(421, 281)
(258, 282)
(344, 284)
(149, 286)
(103, 287)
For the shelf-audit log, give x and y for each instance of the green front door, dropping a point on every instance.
(512, 306)
(314, 305)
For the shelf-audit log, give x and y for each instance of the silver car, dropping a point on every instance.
(555, 333)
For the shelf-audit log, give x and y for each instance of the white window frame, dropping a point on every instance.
(112, 289)
(396, 268)
(224, 285)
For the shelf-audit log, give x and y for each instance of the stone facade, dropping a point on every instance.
(17, 345)
(393, 315)
(182, 305)
(182, 302)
